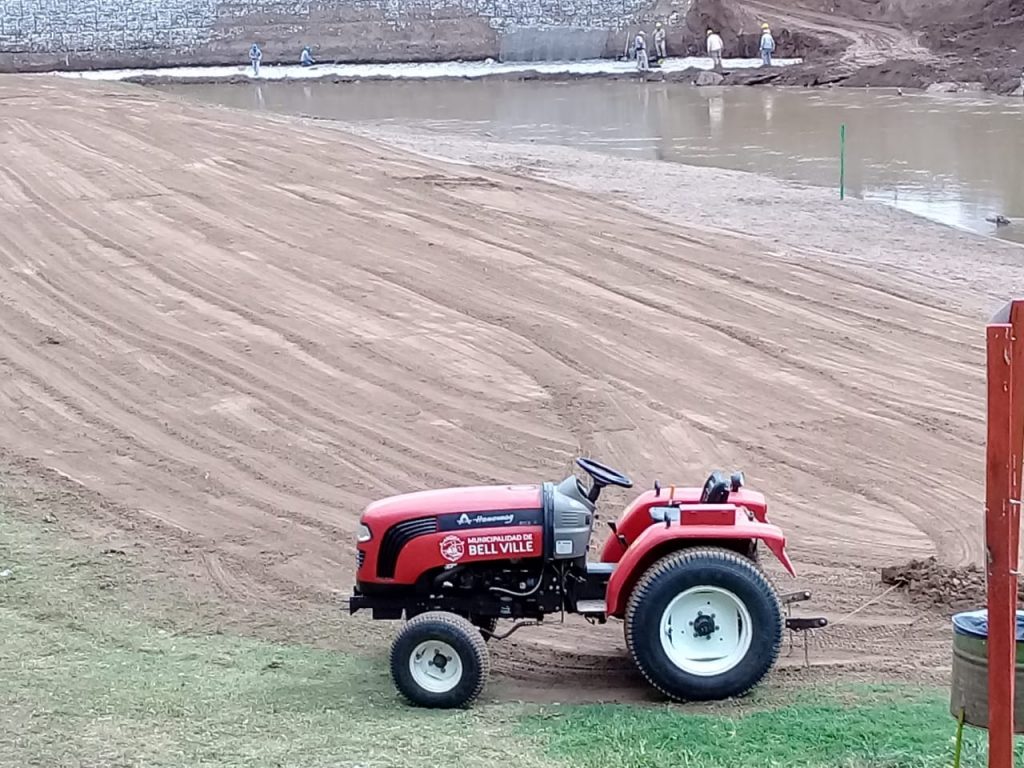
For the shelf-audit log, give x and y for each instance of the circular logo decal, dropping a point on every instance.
(452, 548)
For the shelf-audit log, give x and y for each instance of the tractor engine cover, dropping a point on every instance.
(416, 533)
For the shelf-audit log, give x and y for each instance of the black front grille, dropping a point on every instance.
(360, 558)
(396, 538)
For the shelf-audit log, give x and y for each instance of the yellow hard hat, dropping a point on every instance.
(764, 26)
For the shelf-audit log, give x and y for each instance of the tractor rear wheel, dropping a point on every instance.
(704, 624)
(439, 660)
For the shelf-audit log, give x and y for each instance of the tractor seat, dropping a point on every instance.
(716, 490)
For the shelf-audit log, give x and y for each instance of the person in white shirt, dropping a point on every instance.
(255, 57)
(715, 46)
(659, 41)
(640, 48)
(767, 45)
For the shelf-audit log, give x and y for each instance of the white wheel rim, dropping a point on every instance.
(435, 666)
(706, 631)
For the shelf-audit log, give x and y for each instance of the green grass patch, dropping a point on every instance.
(834, 727)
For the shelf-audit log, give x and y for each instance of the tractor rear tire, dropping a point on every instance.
(704, 624)
(439, 660)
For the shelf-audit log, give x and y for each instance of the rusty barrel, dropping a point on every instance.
(969, 690)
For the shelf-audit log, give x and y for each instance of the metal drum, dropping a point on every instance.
(969, 690)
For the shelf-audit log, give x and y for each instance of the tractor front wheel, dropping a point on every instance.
(439, 660)
(704, 624)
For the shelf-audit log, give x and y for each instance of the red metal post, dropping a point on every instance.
(1016, 448)
(1005, 355)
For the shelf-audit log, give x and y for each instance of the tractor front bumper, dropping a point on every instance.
(383, 606)
(357, 602)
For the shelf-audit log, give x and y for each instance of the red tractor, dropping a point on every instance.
(702, 620)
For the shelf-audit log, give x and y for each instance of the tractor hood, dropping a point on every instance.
(473, 507)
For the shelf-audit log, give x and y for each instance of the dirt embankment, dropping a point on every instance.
(908, 43)
(234, 331)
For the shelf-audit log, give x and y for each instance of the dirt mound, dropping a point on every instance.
(984, 40)
(900, 73)
(739, 25)
(941, 585)
(983, 26)
(907, 43)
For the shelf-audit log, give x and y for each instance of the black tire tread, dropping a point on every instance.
(471, 635)
(672, 561)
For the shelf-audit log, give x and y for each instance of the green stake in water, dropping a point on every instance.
(842, 161)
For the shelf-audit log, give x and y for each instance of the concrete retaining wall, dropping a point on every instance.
(82, 34)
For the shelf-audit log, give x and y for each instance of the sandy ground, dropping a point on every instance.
(228, 332)
(951, 268)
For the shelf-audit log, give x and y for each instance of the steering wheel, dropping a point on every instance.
(602, 475)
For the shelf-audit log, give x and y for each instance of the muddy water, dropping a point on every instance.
(953, 159)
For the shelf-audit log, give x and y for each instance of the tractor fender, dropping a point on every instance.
(660, 540)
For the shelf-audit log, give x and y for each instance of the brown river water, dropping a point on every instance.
(955, 159)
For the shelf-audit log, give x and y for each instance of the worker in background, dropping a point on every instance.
(306, 59)
(255, 57)
(767, 46)
(715, 46)
(640, 51)
(659, 41)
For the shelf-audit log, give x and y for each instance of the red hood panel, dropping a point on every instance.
(447, 500)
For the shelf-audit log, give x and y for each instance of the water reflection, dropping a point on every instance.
(952, 159)
(716, 114)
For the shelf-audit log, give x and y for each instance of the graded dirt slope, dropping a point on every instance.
(237, 330)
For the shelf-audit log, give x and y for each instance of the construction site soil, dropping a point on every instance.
(946, 586)
(225, 333)
(908, 43)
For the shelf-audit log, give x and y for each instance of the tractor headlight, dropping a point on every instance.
(364, 534)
